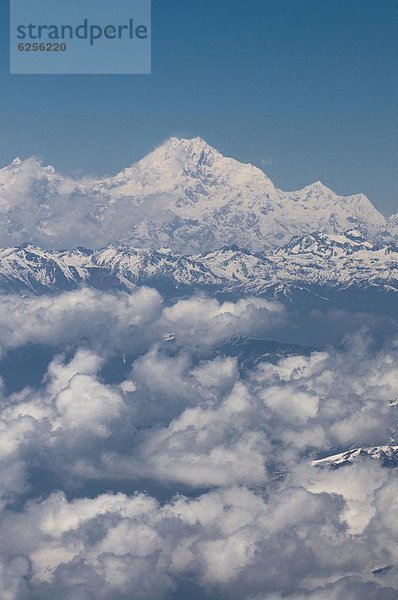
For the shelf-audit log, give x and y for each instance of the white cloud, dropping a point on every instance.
(231, 540)
(185, 417)
(201, 321)
(84, 316)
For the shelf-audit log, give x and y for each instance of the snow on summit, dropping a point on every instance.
(184, 195)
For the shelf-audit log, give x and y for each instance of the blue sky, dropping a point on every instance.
(305, 89)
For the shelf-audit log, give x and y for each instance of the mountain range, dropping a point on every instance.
(318, 263)
(184, 195)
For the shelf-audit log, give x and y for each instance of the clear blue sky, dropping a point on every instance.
(307, 89)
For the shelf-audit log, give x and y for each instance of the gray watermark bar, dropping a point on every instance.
(80, 37)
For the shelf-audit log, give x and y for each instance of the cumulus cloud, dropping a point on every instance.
(234, 508)
(203, 321)
(36, 203)
(230, 541)
(80, 317)
(207, 446)
(129, 321)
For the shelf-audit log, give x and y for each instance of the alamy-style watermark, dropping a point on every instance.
(80, 37)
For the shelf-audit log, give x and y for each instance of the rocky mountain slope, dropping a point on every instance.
(318, 262)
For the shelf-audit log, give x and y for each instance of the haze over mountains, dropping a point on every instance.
(184, 195)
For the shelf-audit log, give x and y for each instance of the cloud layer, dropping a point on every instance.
(185, 474)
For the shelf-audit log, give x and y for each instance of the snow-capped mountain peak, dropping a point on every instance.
(193, 150)
(313, 189)
(184, 195)
(193, 171)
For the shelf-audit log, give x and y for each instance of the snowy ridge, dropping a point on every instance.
(136, 264)
(30, 268)
(318, 261)
(184, 195)
(387, 455)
